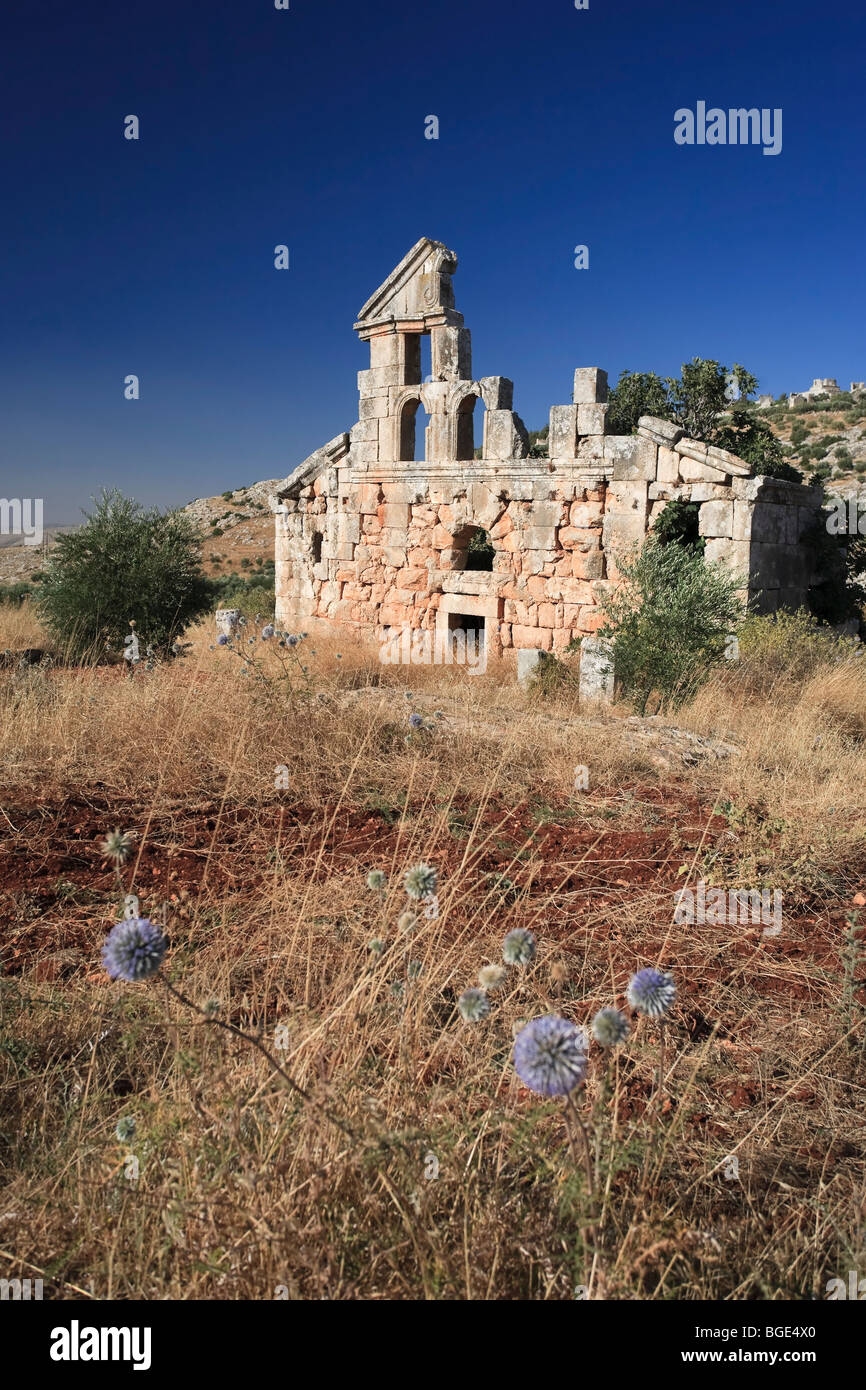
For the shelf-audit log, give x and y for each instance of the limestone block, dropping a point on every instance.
(716, 519)
(596, 681)
(484, 505)
(451, 353)
(769, 523)
(705, 492)
(625, 520)
(692, 448)
(365, 452)
(693, 471)
(396, 514)
(742, 524)
(588, 564)
(592, 419)
(385, 350)
(590, 385)
(728, 462)
(731, 555)
(540, 537)
(505, 436)
(664, 432)
(668, 468)
(777, 566)
(497, 392)
(633, 458)
(585, 514)
(529, 637)
(528, 660)
(377, 379)
(372, 408)
(563, 436)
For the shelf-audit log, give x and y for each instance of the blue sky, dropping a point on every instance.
(306, 127)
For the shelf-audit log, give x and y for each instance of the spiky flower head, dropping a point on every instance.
(376, 946)
(518, 948)
(651, 992)
(492, 977)
(609, 1027)
(133, 949)
(125, 1128)
(421, 882)
(376, 879)
(118, 845)
(268, 631)
(550, 1055)
(416, 721)
(473, 1005)
(407, 923)
(292, 640)
(222, 640)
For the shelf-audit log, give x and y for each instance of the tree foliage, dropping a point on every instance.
(668, 622)
(126, 562)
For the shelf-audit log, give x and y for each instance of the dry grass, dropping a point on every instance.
(455, 1182)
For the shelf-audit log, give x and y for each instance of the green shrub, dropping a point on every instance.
(668, 622)
(15, 594)
(679, 524)
(251, 596)
(124, 563)
(784, 646)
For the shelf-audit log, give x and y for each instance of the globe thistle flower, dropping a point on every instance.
(492, 977)
(407, 923)
(242, 622)
(550, 1055)
(133, 949)
(651, 992)
(407, 694)
(118, 845)
(222, 640)
(376, 946)
(416, 721)
(125, 1128)
(518, 948)
(473, 1005)
(291, 640)
(420, 881)
(609, 1027)
(376, 880)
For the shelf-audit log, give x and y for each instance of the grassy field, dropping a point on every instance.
(149, 1152)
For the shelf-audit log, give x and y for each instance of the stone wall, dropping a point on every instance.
(370, 536)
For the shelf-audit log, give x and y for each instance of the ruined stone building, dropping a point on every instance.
(453, 523)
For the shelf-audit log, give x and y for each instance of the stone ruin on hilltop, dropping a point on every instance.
(374, 531)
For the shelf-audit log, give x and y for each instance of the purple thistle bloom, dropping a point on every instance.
(133, 949)
(267, 631)
(291, 640)
(651, 992)
(416, 721)
(550, 1055)
(222, 639)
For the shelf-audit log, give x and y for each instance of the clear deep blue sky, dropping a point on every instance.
(306, 127)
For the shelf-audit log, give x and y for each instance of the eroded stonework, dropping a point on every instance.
(370, 535)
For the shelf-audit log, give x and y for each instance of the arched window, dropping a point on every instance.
(413, 423)
(466, 429)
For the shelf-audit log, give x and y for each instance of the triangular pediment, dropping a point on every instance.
(419, 287)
